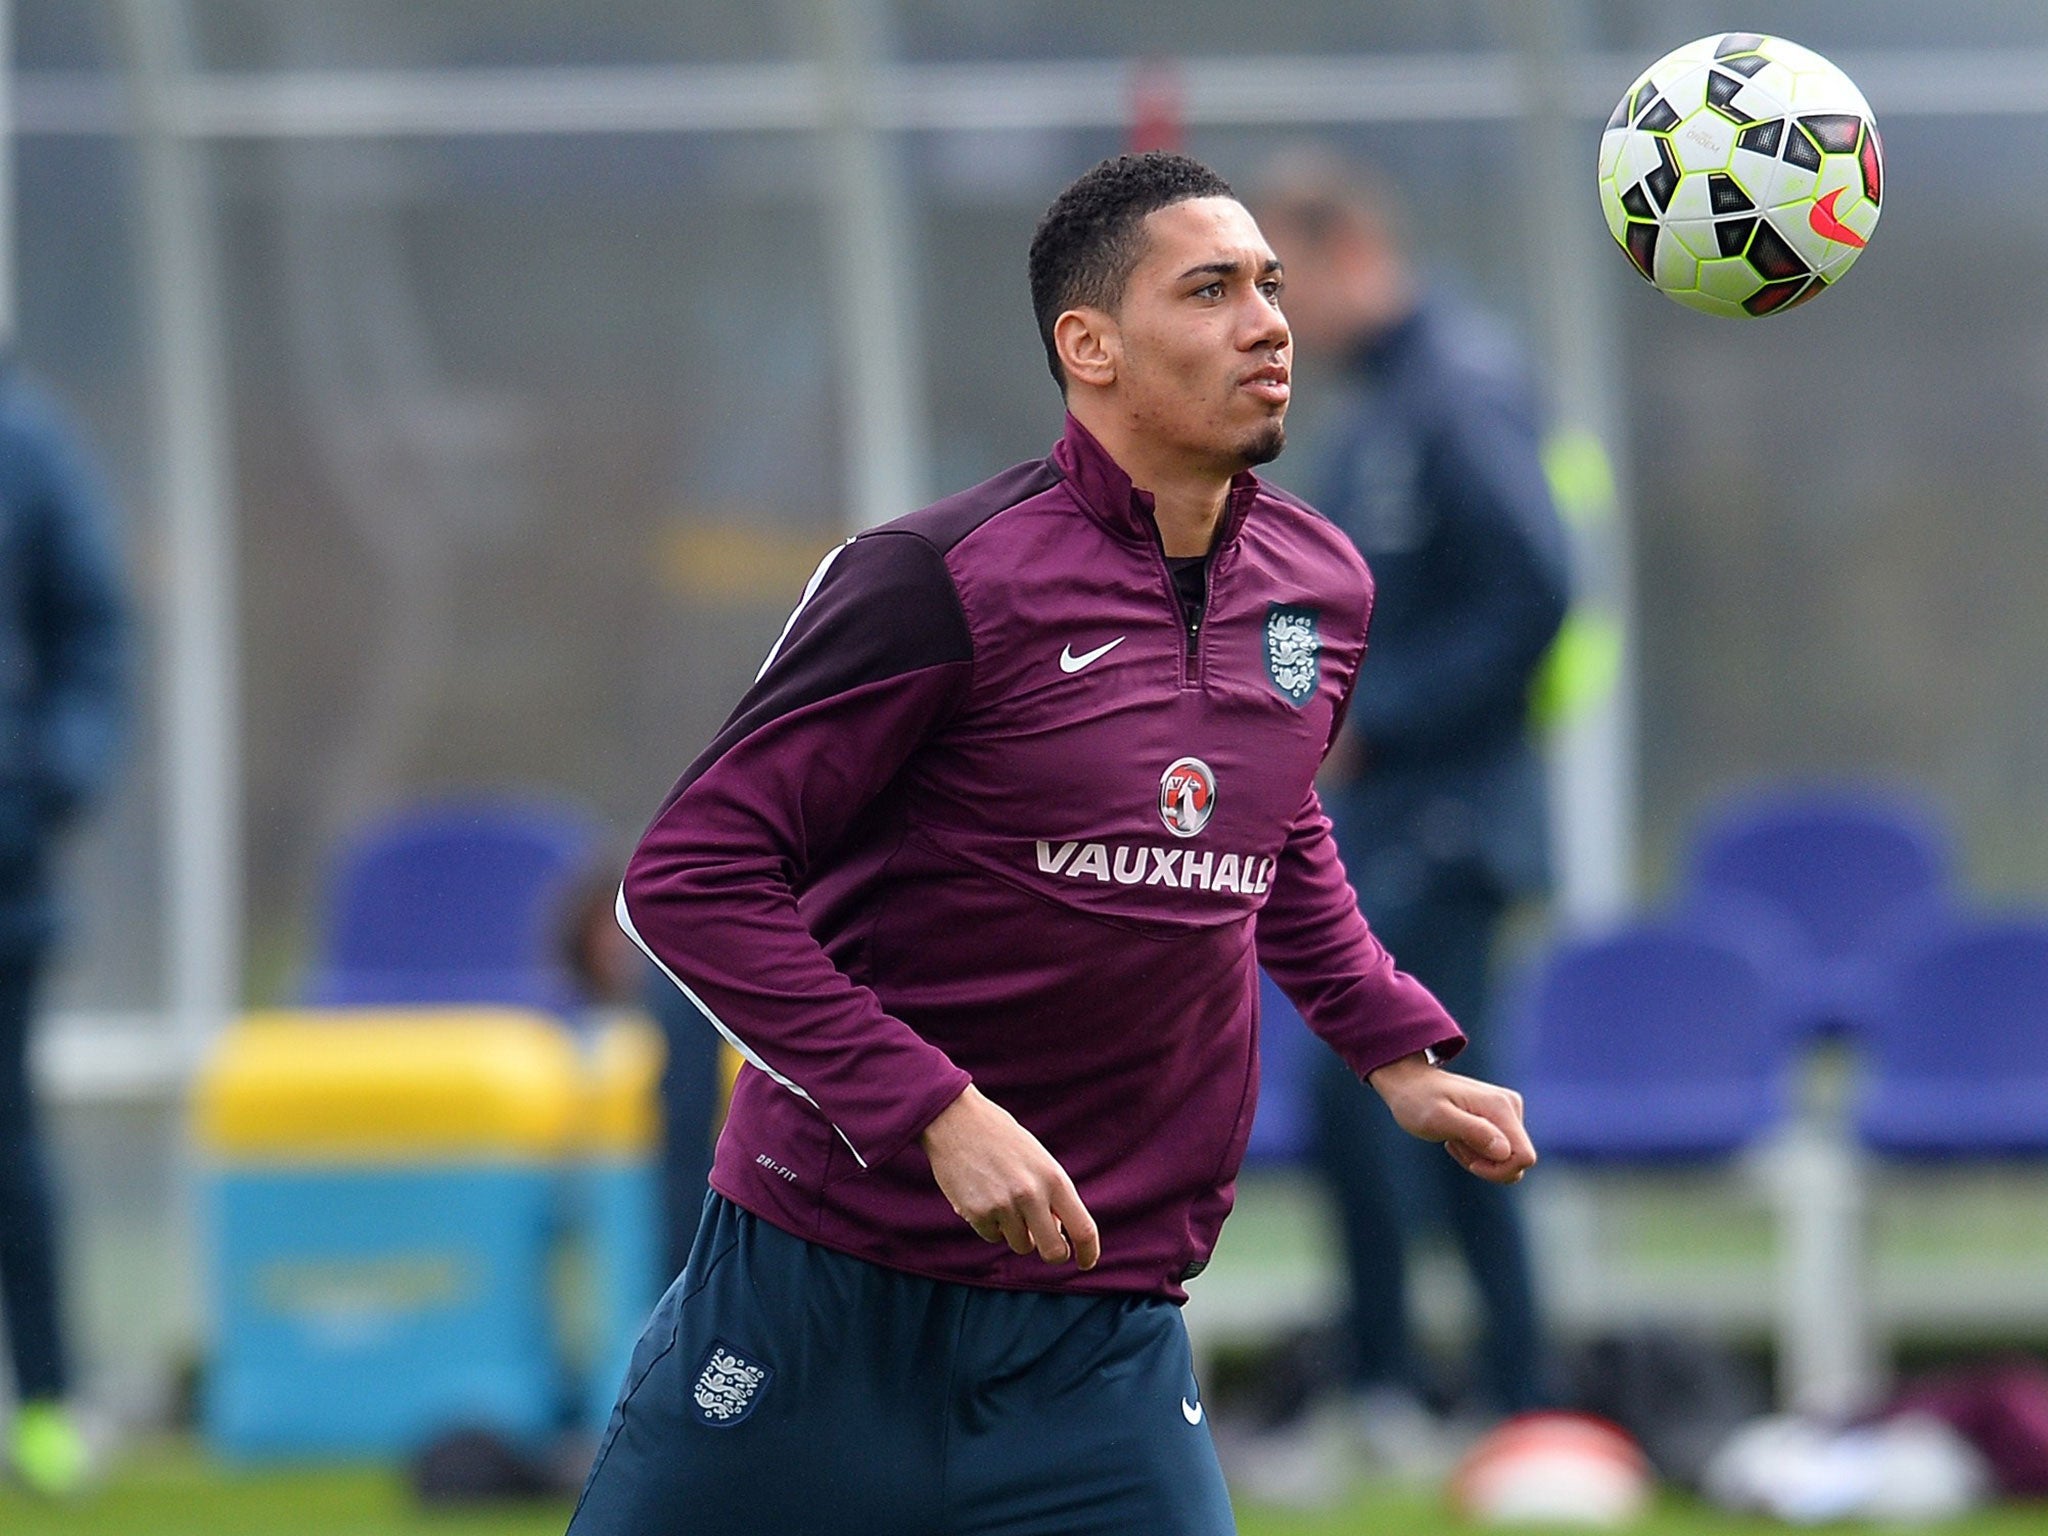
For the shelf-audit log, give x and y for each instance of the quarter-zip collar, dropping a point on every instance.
(1107, 495)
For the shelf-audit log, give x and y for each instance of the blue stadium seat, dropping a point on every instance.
(1852, 868)
(455, 901)
(1658, 1041)
(1956, 1058)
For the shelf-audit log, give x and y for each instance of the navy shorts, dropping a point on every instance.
(783, 1389)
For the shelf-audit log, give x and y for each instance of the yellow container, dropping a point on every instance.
(390, 1086)
(622, 1078)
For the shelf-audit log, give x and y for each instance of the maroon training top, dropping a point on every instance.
(987, 813)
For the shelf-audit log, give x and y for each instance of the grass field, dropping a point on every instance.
(172, 1490)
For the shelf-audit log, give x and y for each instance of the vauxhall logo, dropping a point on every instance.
(1181, 869)
(1187, 798)
(1187, 794)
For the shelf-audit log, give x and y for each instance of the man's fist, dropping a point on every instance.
(1479, 1124)
(1005, 1185)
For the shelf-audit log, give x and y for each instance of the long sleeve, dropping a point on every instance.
(74, 612)
(876, 656)
(1313, 942)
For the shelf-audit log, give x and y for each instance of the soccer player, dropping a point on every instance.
(977, 877)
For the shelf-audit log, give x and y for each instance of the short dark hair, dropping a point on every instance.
(1089, 242)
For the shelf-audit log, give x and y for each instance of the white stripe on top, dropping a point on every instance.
(626, 922)
(810, 591)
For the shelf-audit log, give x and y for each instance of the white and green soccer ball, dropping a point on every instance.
(1742, 174)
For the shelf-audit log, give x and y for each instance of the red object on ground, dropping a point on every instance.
(1554, 1468)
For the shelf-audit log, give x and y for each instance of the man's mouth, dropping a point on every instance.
(1268, 383)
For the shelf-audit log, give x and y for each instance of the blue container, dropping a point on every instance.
(383, 1195)
(621, 1221)
(620, 1207)
(367, 1310)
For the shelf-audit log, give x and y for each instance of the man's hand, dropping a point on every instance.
(1479, 1124)
(1005, 1184)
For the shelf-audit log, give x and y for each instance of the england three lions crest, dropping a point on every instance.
(728, 1386)
(1294, 651)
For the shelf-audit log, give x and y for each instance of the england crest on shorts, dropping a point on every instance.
(728, 1386)
(1294, 651)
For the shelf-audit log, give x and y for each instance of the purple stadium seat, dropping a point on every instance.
(455, 901)
(1661, 1040)
(1956, 1058)
(1856, 870)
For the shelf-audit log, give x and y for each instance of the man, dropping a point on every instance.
(1432, 467)
(976, 878)
(62, 665)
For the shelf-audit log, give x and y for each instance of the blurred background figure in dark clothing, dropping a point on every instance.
(62, 667)
(692, 1108)
(613, 972)
(1425, 450)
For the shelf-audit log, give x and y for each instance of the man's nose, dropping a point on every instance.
(1266, 325)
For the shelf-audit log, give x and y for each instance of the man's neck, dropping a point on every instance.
(1188, 516)
(1187, 500)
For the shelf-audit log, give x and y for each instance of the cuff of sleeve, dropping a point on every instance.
(1407, 1042)
(920, 1110)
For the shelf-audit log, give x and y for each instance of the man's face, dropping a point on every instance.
(1205, 354)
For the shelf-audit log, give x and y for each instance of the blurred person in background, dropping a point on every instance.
(62, 668)
(613, 972)
(1428, 458)
(692, 1104)
(977, 875)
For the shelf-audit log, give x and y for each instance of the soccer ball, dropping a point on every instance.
(1742, 174)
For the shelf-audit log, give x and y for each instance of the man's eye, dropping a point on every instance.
(1272, 290)
(1210, 291)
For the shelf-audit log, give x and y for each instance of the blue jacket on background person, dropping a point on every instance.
(63, 649)
(1438, 482)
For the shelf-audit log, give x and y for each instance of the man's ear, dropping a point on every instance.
(1089, 346)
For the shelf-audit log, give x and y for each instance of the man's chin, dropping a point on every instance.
(1264, 445)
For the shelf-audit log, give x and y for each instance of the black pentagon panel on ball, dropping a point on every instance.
(1663, 181)
(1871, 158)
(1726, 194)
(1733, 234)
(1721, 91)
(1620, 117)
(1738, 42)
(1811, 290)
(1641, 246)
(1746, 65)
(1656, 116)
(1773, 297)
(1835, 132)
(1772, 257)
(1637, 203)
(1801, 150)
(1762, 138)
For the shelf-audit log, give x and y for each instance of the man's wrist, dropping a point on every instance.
(1423, 1060)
